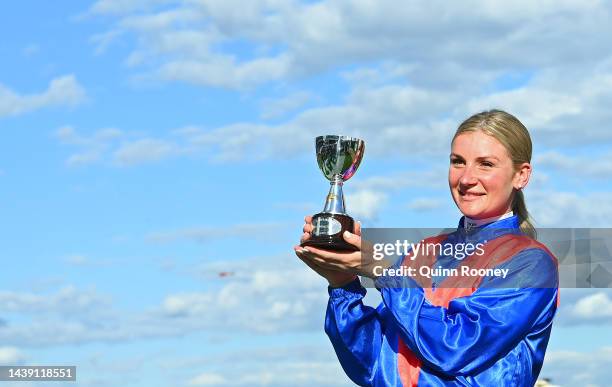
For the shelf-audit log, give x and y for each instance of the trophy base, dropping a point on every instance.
(328, 232)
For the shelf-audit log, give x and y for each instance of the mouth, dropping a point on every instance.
(469, 196)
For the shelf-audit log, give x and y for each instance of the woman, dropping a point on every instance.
(484, 330)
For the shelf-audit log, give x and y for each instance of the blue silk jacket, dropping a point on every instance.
(492, 332)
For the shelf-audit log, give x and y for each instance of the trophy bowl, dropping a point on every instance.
(338, 158)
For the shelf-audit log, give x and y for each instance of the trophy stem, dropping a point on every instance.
(334, 203)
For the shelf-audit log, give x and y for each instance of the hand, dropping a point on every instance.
(350, 262)
(335, 278)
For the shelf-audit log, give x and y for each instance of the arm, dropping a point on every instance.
(355, 332)
(476, 331)
(352, 327)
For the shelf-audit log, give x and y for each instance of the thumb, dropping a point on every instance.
(353, 239)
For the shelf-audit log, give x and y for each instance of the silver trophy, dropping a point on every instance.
(338, 158)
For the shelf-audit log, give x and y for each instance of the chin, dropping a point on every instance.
(469, 210)
(474, 212)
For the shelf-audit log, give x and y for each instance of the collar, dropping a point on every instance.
(488, 229)
(470, 224)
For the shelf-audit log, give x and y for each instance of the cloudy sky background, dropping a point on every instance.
(150, 145)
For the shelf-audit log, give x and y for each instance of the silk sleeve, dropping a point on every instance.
(475, 331)
(355, 331)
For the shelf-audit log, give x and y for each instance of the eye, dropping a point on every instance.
(487, 164)
(456, 161)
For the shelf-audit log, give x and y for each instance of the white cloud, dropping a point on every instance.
(549, 104)
(122, 6)
(295, 365)
(593, 165)
(574, 368)
(145, 150)
(260, 300)
(370, 195)
(584, 306)
(11, 356)
(68, 135)
(103, 40)
(317, 36)
(570, 209)
(559, 109)
(208, 379)
(412, 81)
(263, 295)
(205, 234)
(224, 71)
(67, 300)
(117, 148)
(424, 204)
(274, 108)
(84, 261)
(432, 176)
(392, 121)
(185, 304)
(594, 306)
(62, 91)
(69, 316)
(92, 148)
(365, 203)
(397, 121)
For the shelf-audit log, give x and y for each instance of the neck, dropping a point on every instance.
(471, 223)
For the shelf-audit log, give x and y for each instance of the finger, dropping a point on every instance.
(308, 219)
(300, 254)
(305, 256)
(320, 253)
(319, 265)
(357, 228)
(339, 257)
(308, 227)
(318, 268)
(305, 237)
(324, 264)
(353, 239)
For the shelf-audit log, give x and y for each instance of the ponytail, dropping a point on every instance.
(520, 209)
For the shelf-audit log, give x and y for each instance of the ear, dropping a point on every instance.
(521, 176)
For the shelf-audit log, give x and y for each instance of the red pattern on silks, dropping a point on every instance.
(496, 252)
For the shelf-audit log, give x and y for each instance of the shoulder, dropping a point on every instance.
(511, 246)
(531, 266)
(535, 257)
(529, 248)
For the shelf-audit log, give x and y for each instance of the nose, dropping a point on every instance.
(468, 177)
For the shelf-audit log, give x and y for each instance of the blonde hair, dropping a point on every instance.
(514, 136)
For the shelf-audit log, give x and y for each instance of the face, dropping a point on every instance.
(481, 175)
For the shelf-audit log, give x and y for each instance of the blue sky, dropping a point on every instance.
(150, 145)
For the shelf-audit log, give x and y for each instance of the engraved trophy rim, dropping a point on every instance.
(339, 136)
